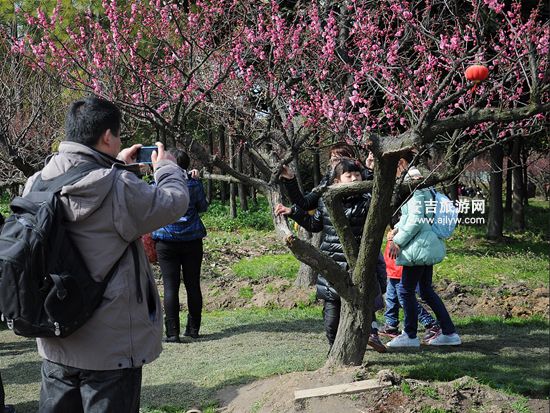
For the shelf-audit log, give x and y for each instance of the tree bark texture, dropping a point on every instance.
(495, 220)
(243, 192)
(307, 276)
(232, 186)
(209, 183)
(508, 201)
(518, 209)
(224, 187)
(316, 167)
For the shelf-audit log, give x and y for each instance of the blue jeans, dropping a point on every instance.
(67, 389)
(394, 301)
(422, 276)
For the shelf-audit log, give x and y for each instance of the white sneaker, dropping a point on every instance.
(445, 340)
(403, 340)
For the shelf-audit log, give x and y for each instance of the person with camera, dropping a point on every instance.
(180, 250)
(98, 368)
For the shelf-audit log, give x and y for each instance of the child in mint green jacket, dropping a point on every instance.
(417, 248)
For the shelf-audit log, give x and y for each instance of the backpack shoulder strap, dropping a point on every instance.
(73, 175)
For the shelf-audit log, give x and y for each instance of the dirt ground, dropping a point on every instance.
(276, 395)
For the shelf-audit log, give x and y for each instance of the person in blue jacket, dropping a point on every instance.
(180, 250)
(417, 248)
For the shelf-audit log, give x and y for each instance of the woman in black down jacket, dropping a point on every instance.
(355, 208)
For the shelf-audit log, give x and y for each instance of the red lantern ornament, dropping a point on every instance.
(476, 74)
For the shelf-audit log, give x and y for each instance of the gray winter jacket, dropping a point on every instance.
(106, 211)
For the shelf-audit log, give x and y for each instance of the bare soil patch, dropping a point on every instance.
(276, 395)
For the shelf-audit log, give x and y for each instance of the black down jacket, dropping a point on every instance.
(355, 209)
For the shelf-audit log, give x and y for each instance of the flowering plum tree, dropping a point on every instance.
(30, 117)
(387, 75)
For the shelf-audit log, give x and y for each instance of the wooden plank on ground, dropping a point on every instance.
(348, 388)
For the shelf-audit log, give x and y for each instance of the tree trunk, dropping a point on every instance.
(243, 190)
(353, 334)
(356, 315)
(518, 209)
(232, 186)
(253, 191)
(209, 183)
(508, 203)
(496, 213)
(224, 188)
(316, 167)
(307, 276)
(524, 163)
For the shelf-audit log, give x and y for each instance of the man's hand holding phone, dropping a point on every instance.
(160, 154)
(150, 155)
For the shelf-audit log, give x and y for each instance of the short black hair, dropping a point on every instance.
(182, 159)
(87, 119)
(343, 150)
(346, 165)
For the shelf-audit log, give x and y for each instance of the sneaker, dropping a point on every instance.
(445, 340)
(389, 331)
(375, 343)
(432, 332)
(403, 340)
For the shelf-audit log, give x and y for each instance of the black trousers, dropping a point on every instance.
(183, 257)
(331, 318)
(2, 396)
(67, 389)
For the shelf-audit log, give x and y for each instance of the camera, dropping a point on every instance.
(144, 154)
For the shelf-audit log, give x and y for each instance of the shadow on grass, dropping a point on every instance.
(172, 397)
(506, 356)
(17, 348)
(310, 325)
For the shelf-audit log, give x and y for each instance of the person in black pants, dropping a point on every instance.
(3, 407)
(355, 208)
(180, 250)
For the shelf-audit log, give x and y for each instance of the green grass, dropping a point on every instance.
(244, 345)
(246, 292)
(238, 347)
(257, 217)
(5, 205)
(509, 355)
(282, 265)
(472, 260)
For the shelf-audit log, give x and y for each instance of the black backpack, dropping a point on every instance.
(45, 288)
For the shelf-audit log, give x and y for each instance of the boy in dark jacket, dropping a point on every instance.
(355, 208)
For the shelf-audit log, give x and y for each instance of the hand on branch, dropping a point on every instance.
(280, 209)
(287, 173)
(195, 174)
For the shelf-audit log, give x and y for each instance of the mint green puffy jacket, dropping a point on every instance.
(419, 244)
